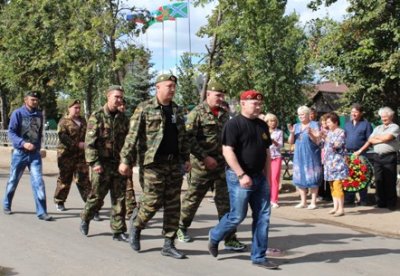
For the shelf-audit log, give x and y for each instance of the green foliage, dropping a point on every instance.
(78, 47)
(315, 4)
(187, 93)
(363, 51)
(260, 48)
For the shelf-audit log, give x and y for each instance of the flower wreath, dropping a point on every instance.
(360, 173)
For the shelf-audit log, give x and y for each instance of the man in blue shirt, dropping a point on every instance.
(357, 132)
(25, 132)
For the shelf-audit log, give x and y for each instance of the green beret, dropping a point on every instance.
(214, 85)
(115, 87)
(73, 102)
(166, 77)
(34, 94)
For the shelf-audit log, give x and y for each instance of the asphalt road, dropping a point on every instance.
(29, 246)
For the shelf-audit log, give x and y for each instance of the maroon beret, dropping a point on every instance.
(251, 95)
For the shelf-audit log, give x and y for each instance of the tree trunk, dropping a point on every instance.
(211, 53)
(3, 109)
(89, 97)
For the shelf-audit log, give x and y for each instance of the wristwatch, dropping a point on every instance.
(241, 176)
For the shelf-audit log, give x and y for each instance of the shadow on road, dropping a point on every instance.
(5, 271)
(337, 256)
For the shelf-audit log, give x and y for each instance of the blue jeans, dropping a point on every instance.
(19, 161)
(258, 196)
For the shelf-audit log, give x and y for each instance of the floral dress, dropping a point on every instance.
(307, 168)
(335, 167)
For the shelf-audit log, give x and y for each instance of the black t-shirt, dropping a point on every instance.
(250, 140)
(169, 142)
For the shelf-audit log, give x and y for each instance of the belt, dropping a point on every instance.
(166, 157)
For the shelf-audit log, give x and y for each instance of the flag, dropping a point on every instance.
(178, 10)
(163, 13)
(137, 18)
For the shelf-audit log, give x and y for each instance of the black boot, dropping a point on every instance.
(120, 237)
(84, 227)
(170, 250)
(134, 238)
(97, 217)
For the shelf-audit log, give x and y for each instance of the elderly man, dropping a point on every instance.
(384, 140)
(25, 132)
(204, 128)
(357, 132)
(245, 146)
(157, 131)
(106, 131)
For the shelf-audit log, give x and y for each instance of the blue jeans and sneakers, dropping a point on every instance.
(258, 196)
(19, 161)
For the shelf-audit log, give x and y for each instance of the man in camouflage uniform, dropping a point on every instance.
(71, 155)
(106, 131)
(204, 127)
(157, 132)
(130, 199)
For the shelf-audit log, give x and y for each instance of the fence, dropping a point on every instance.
(49, 142)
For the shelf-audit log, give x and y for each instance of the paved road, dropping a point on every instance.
(33, 247)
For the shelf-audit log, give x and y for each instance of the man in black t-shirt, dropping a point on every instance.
(245, 146)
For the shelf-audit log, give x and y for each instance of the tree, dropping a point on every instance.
(27, 50)
(77, 47)
(363, 51)
(138, 81)
(260, 48)
(98, 46)
(187, 93)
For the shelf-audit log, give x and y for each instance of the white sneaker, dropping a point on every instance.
(300, 206)
(312, 207)
(274, 205)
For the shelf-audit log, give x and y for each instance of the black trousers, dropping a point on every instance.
(385, 170)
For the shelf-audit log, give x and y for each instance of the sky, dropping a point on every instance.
(198, 17)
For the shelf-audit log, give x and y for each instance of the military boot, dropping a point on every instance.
(134, 238)
(170, 250)
(84, 227)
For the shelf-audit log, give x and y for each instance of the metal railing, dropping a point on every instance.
(49, 142)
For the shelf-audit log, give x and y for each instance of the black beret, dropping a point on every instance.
(34, 94)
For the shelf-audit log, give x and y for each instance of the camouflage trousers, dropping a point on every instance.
(70, 167)
(130, 198)
(109, 180)
(161, 188)
(199, 182)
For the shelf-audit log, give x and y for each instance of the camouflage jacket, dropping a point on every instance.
(146, 132)
(204, 132)
(105, 136)
(69, 136)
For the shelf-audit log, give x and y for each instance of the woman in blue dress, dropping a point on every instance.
(307, 168)
(335, 168)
